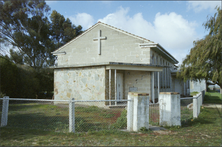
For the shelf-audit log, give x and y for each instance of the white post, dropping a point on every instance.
(110, 94)
(5, 105)
(197, 104)
(130, 112)
(152, 80)
(72, 115)
(169, 108)
(138, 116)
(115, 87)
(195, 111)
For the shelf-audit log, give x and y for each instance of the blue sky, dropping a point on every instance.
(172, 24)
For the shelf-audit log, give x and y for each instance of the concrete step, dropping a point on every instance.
(117, 106)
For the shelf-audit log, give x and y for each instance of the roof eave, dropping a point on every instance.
(160, 48)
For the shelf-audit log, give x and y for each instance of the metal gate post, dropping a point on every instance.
(72, 115)
(5, 104)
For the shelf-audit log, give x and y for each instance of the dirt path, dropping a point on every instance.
(213, 105)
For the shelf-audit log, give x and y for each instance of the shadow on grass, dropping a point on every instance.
(207, 116)
(53, 123)
(191, 122)
(213, 98)
(39, 121)
(29, 106)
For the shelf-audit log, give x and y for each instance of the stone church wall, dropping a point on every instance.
(80, 83)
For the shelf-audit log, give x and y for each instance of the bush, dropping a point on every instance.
(121, 122)
(194, 93)
(23, 81)
(8, 77)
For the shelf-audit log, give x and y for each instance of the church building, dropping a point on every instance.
(105, 63)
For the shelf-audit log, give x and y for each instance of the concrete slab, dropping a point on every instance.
(156, 128)
(212, 105)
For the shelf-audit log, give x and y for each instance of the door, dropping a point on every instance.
(119, 86)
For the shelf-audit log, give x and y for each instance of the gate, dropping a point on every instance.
(154, 114)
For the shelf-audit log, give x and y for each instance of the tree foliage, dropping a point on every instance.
(205, 59)
(62, 29)
(8, 76)
(25, 25)
(23, 81)
(33, 33)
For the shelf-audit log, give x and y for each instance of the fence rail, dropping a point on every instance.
(72, 115)
(191, 109)
(50, 100)
(83, 115)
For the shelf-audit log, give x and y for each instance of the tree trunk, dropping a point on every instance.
(220, 90)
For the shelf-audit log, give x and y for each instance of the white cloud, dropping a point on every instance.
(83, 19)
(50, 2)
(171, 31)
(174, 31)
(199, 6)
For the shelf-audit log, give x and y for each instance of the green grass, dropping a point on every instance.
(50, 117)
(194, 93)
(203, 131)
(186, 114)
(213, 97)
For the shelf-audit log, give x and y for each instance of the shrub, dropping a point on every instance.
(121, 122)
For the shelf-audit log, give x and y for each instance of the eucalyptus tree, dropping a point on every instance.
(205, 59)
(24, 24)
(62, 29)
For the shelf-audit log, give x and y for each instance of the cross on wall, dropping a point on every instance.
(99, 39)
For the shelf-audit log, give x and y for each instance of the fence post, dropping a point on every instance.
(138, 111)
(72, 115)
(195, 111)
(130, 112)
(5, 104)
(199, 102)
(169, 107)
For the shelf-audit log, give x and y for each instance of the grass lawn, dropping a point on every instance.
(213, 97)
(204, 131)
(49, 117)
